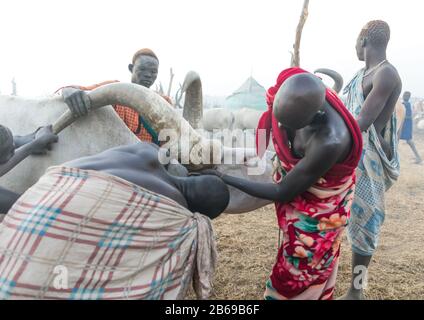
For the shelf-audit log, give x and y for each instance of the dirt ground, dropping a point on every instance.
(247, 245)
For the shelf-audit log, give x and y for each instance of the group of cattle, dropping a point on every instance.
(103, 129)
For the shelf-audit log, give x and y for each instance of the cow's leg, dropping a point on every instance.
(7, 199)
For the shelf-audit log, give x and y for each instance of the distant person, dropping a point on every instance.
(144, 70)
(371, 98)
(407, 127)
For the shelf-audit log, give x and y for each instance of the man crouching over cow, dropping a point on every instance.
(318, 145)
(14, 149)
(118, 225)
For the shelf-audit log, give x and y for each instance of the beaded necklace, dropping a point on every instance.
(369, 71)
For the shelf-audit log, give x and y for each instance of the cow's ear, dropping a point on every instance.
(131, 67)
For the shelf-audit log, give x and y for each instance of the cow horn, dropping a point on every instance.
(159, 114)
(338, 79)
(193, 102)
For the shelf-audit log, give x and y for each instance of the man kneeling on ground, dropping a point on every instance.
(118, 225)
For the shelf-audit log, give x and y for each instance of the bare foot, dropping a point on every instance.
(351, 295)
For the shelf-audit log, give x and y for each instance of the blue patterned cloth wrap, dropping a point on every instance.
(375, 175)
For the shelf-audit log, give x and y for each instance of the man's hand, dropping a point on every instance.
(44, 138)
(77, 100)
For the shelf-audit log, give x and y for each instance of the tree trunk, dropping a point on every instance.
(295, 61)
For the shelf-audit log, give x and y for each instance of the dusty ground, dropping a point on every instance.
(247, 245)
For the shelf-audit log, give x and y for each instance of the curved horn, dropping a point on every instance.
(338, 79)
(193, 103)
(159, 114)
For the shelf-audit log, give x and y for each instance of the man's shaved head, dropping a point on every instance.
(207, 195)
(374, 34)
(7, 146)
(298, 100)
(377, 32)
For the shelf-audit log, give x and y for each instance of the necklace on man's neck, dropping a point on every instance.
(369, 71)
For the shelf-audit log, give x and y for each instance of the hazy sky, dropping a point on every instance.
(50, 43)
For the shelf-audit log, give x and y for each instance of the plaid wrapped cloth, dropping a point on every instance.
(80, 234)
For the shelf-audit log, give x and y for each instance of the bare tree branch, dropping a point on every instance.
(171, 78)
(161, 88)
(178, 97)
(14, 92)
(295, 61)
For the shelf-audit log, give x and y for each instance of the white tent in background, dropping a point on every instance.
(250, 95)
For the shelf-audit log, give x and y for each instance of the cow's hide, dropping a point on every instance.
(99, 131)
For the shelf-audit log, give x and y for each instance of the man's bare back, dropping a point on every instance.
(139, 164)
(388, 77)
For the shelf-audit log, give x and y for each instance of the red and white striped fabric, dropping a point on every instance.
(109, 238)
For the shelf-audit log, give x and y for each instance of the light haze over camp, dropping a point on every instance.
(48, 44)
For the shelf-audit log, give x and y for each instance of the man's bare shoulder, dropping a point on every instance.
(333, 138)
(388, 73)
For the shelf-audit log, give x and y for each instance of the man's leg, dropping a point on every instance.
(360, 265)
(363, 230)
(7, 199)
(418, 158)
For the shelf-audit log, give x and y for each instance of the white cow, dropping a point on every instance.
(217, 119)
(97, 132)
(246, 118)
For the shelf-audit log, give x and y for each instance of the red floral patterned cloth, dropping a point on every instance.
(314, 221)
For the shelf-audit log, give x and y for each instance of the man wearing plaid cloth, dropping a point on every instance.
(115, 225)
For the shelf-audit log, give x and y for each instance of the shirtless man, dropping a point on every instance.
(139, 164)
(372, 97)
(14, 149)
(120, 223)
(318, 144)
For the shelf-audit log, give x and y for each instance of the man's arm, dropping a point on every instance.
(320, 157)
(44, 138)
(23, 140)
(384, 83)
(20, 155)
